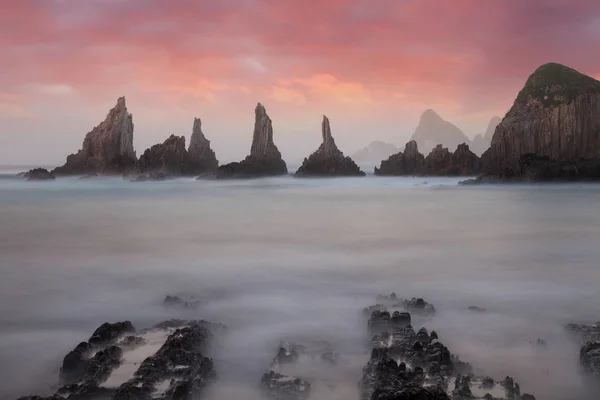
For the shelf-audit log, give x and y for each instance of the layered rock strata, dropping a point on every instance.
(107, 149)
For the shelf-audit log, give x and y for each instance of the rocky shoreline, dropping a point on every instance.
(169, 361)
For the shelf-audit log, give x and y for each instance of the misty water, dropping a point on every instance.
(294, 259)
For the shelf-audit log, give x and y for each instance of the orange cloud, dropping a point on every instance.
(287, 95)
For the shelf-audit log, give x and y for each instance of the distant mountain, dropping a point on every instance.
(481, 143)
(374, 153)
(433, 130)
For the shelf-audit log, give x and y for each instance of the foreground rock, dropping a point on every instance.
(113, 363)
(589, 355)
(440, 162)
(202, 158)
(405, 364)
(328, 160)
(38, 174)
(264, 159)
(107, 149)
(552, 131)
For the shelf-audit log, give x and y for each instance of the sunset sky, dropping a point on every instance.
(373, 66)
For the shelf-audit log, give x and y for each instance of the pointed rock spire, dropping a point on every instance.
(108, 148)
(264, 159)
(328, 160)
(200, 152)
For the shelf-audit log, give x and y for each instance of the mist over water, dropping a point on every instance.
(294, 259)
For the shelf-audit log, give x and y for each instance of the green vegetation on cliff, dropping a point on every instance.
(553, 84)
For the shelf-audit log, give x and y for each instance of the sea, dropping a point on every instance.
(298, 259)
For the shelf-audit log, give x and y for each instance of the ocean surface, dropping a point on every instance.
(298, 259)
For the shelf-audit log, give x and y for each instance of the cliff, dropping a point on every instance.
(264, 159)
(107, 149)
(328, 160)
(556, 117)
(433, 130)
(201, 155)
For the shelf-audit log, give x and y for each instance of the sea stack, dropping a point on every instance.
(328, 160)
(171, 158)
(264, 159)
(107, 149)
(552, 131)
(409, 162)
(200, 153)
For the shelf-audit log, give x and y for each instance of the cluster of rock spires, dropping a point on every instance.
(552, 132)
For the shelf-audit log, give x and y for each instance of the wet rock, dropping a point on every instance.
(152, 176)
(589, 356)
(75, 363)
(176, 301)
(107, 149)
(100, 366)
(287, 354)
(281, 387)
(379, 322)
(328, 160)
(264, 159)
(38, 174)
(418, 306)
(400, 319)
(477, 309)
(109, 333)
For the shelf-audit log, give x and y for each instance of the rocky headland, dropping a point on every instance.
(38, 174)
(552, 131)
(107, 149)
(328, 160)
(264, 159)
(439, 162)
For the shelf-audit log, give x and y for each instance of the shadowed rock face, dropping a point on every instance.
(409, 162)
(264, 159)
(440, 162)
(170, 158)
(328, 160)
(107, 149)
(556, 115)
(199, 151)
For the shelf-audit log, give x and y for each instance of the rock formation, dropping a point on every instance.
(328, 160)
(171, 158)
(433, 130)
(199, 151)
(38, 174)
(439, 162)
(409, 162)
(107, 149)
(374, 153)
(264, 159)
(553, 125)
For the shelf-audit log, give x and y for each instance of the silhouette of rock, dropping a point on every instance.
(409, 162)
(552, 131)
(107, 149)
(202, 157)
(433, 130)
(328, 160)
(170, 157)
(264, 159)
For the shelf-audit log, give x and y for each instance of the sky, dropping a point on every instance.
(372, 66)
